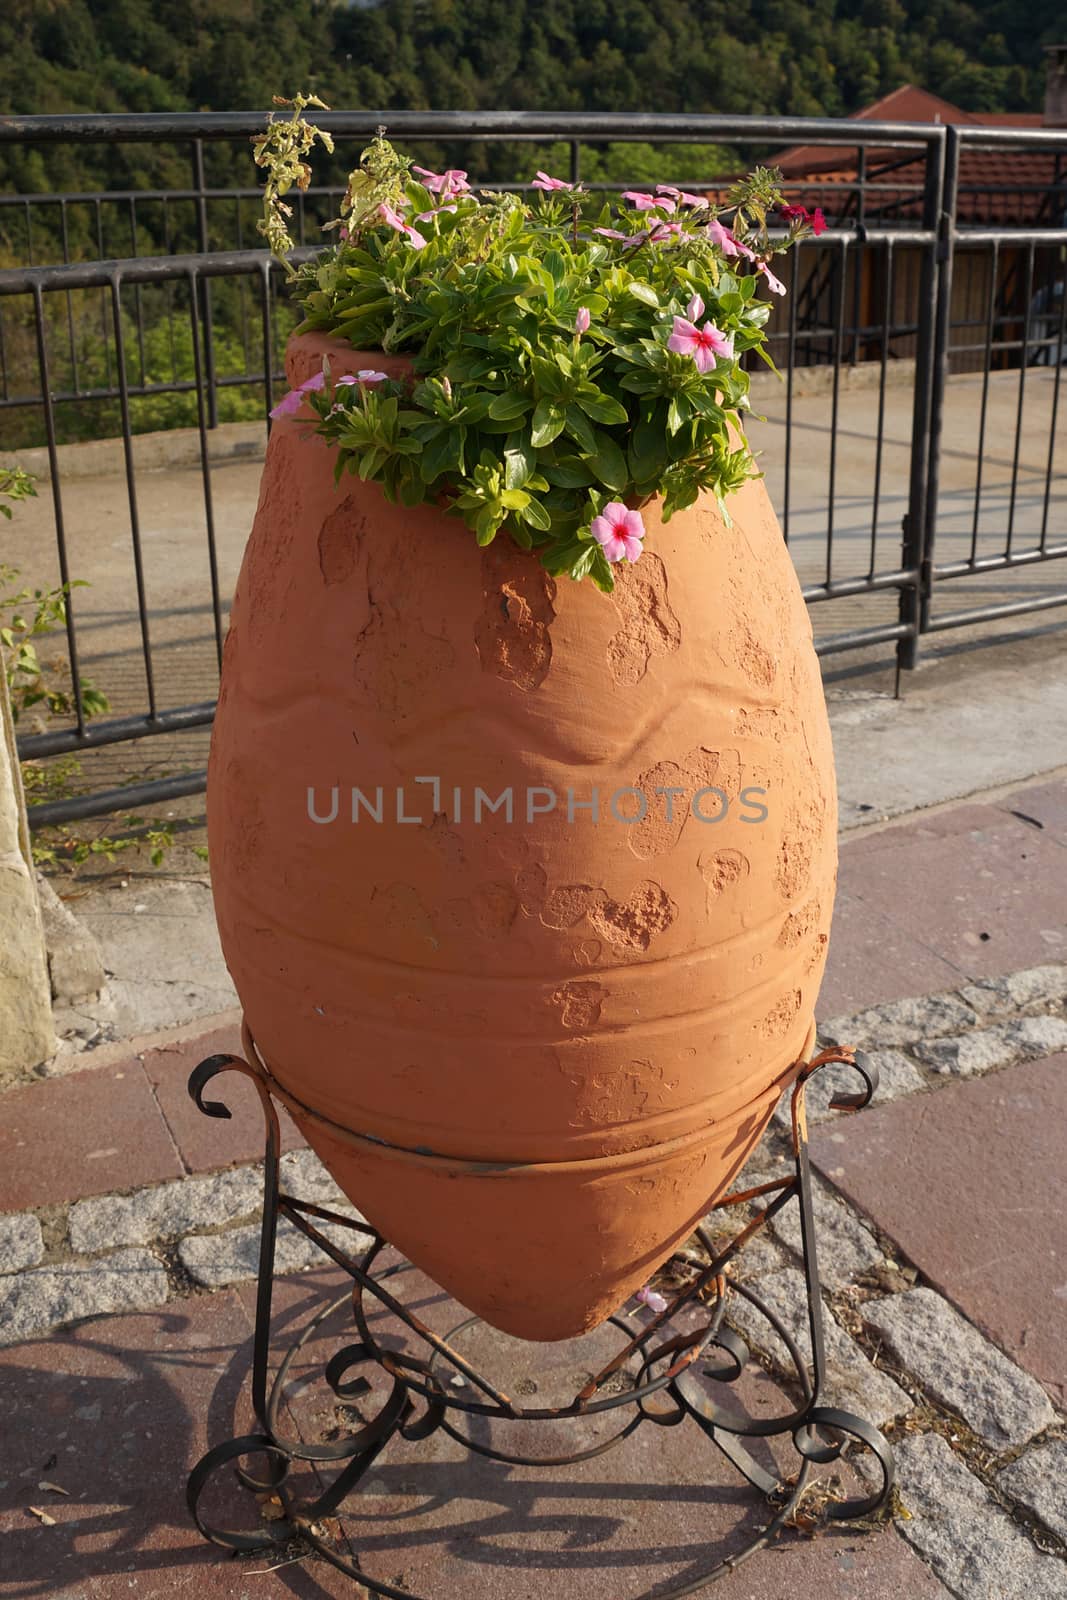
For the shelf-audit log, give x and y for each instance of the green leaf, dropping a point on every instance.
(608, 462)
(520, 463)
(548, 423)
(581, 429)
(507, 406)
(535, 514)
(602, 408)
(568, 473)
(645, 293)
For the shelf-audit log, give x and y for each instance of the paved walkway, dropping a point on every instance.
(940, 1211)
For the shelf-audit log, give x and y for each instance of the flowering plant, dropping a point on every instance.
(569, 363)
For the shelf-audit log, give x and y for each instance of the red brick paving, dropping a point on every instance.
(116, 1412)
(873, 958)
(209, 1142)
(986, 1158)
(1045, 804)
(93, 1132)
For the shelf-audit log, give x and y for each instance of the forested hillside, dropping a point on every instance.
(797, 56)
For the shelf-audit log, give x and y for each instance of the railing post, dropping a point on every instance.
(929, 376)
(946, 254)
(206, 324)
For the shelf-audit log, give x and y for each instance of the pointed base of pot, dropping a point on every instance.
(542, 1251)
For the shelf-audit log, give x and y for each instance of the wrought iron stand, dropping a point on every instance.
(661, 1365)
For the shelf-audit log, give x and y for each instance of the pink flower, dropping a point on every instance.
(453, 181)
(695, 308)
(290, 404)
(428, 216)
(647, 202)
(582, 320)
(775, 285)
(364, 375)
(726, 241)
(395, 220)
(652, 1299)
(680, 195)
(801, 214)
(613, 233)
(543, 181)
(343, 234)
(704, 344)
(664, 230)
(619, 531)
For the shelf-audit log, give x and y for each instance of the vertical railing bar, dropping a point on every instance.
(791, 348)
(1055, 414)
(137, 289)
(929, 382)
(131, 493)
(103, 293)
(205, 467)
(268, 340)
(169, 295)
(57, 502)
(946, 249)
(857, 275)
(3, 355)
(29, 235)
(887, 305)
(204, 286)
(835, 404)
(1028, 296)
(71, 339)
(576, 161)
(242, 286)
(984, 411)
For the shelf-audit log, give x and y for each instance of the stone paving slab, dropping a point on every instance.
(33, 1302)
(982, 890)
(986, 1158)
(960, 1369)
(88, 1133)
(970, 1541)
(1037, 1481)
(209, 1142)
(852, 1382)
(21, 1242)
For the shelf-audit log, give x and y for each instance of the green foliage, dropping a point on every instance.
(283, 151)
(15, 484)
(544, 387)
(33, 683)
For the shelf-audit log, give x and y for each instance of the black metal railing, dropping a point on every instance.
(904, 326)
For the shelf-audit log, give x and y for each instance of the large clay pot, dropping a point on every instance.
(532, 1052)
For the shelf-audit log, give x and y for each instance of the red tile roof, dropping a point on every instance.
(996, 185)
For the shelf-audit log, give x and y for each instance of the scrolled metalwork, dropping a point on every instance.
(662, 1371)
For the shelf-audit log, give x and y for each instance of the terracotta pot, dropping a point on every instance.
(532, 1052)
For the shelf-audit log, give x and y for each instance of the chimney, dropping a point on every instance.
(1055, 86)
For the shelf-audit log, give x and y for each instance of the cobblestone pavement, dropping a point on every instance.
(127, 1253)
